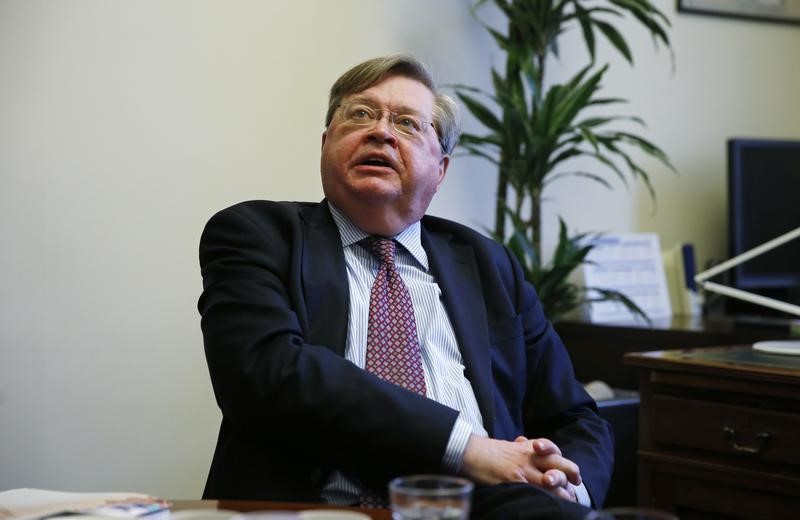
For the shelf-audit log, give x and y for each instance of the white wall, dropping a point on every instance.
(125, 125)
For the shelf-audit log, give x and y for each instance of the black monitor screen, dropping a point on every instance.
(764, 203)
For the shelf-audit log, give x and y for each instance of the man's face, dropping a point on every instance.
(375, 173)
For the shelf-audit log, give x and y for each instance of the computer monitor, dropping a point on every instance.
(763, 203)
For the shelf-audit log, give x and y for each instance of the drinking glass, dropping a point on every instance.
(630, 513)
(430, 497)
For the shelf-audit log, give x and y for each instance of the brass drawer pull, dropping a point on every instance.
(762, 437)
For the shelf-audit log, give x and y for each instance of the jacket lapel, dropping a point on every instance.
(324, 279)
(455, 270)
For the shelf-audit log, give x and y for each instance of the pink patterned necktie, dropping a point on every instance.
(392, 346)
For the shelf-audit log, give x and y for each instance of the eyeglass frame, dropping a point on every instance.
(392, 117)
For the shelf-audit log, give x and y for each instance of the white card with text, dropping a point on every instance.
(630, 263)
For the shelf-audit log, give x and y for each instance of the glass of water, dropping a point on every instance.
(630, 513)
(430, 497)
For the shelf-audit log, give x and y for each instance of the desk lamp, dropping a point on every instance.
(776, 347)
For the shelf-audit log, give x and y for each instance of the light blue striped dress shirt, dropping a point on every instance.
(441, 359)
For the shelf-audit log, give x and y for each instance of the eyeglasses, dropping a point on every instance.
(359, 114)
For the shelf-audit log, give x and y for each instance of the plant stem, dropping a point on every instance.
(502, 191)
(535, 192)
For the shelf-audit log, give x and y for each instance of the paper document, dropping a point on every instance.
(28, 503)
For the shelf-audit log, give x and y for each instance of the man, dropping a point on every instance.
(478, 383)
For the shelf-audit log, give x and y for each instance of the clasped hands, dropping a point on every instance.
(534, 461)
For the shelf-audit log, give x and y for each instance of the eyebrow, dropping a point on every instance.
(400, 109)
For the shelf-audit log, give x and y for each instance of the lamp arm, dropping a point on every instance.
(750, 297)
(747, 255)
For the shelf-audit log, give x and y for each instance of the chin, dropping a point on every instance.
(375, 191)
(376, 197)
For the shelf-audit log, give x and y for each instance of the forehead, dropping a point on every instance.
(398, 92)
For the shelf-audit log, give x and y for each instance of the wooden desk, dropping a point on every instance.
(719, 432)
(597, 349)
(261, 505)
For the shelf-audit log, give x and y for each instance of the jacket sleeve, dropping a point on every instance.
(556, 406)
(273, 386)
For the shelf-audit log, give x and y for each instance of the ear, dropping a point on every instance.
(443, 164)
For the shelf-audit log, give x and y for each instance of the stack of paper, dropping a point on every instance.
(30, 504)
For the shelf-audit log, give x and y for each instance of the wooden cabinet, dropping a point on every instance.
(719, 432)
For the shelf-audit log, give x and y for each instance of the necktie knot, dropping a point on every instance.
(382, 248)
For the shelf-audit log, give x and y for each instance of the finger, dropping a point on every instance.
(553, 461)
(567, 467)
(567, 493)
(521, 439)
(544, 446)
(535, 477)
(554, 478)
(571, 470)
(564, 494)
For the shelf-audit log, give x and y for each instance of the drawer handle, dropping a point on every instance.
(762, 437)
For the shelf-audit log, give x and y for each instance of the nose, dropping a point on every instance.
(382, 130)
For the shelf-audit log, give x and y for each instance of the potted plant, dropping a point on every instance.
(534, 129)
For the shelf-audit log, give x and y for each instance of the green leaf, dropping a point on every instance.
(647, 14)
(619, 297)
(489, 143)
(568, 153)
(616, 39)
(586, 28)
(588, 175)
(647, 147)
(481, 112)
(606, 101)
(576, 96)
(471, 150)
(501, 39)
(596, 121)
(459, 86)
(612, 166)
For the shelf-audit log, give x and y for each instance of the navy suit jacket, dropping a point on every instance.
(274, 318)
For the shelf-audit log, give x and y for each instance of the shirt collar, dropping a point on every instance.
(409, 238)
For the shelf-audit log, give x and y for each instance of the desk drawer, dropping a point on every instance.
(759, 434)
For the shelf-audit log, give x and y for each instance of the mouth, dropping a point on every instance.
(376, 160)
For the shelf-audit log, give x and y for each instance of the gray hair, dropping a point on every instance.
(446, 120)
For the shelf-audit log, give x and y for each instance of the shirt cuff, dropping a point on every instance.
(456, 446)
(582, 495)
